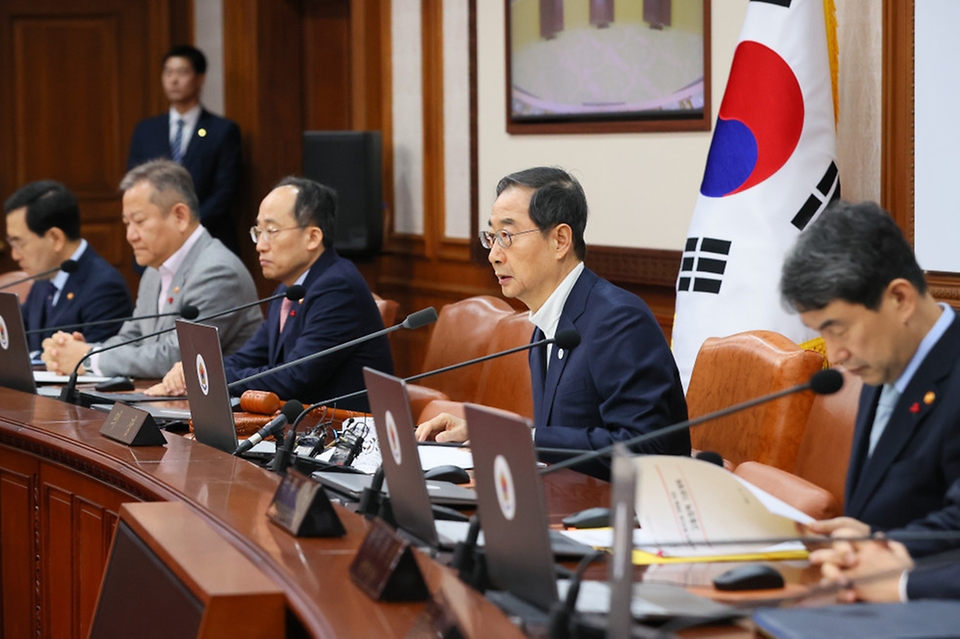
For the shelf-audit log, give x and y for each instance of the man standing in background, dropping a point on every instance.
(206, 145)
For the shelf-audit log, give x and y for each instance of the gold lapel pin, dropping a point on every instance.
(70, 295)
(176, 289)
(202, 133)
(929, 397)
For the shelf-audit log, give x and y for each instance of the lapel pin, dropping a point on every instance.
(70, 296)
(559, 353)
(202, 133)
(929, 397)
(169, 300)
(293, 312)
(176, 289)
(915, 407)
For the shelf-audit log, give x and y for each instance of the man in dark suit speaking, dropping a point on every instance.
(205, 144)
(621, 381)
(853, 277)
(43, 230)
(294, 237)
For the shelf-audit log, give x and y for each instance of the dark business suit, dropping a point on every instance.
(917, 459)
(337, 308)
(936, 582)
(213, 160)
(95, 291)
(620, 382)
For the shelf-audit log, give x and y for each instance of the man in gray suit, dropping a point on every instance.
(185, 266)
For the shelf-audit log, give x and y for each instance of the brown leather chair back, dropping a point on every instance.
(22, 289)
(463, 331)
(505, 381)
(733, 369)
(388, 310)
(825, 450)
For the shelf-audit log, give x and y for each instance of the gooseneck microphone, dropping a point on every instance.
(824, 382)
(67, 266)
(70, 394)
(188, 312)
(290, 411)
(414, 320)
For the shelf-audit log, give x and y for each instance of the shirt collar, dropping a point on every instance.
(189, 118)
(548, 317)
(60, 279)
(926, 345)
(172, 264)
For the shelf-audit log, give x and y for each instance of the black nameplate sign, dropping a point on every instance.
(385, 568)
(132, 426)
(302, 508)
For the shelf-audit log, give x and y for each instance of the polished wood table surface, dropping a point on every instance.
(61, 486)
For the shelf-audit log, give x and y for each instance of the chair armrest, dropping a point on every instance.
(803, 495)
(421, 396)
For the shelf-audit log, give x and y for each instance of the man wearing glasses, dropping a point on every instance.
(294, 236)
(621, 381)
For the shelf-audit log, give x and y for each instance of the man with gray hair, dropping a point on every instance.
(853, 277)
(185, 266)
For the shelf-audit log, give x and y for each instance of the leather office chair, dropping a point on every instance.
(733, 369)
(817, 480)
(22, 289)
(388, 310)
(463, 331)
(504, 381)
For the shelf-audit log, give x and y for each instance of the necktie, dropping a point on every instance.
(176, 147)
(888, 401)
(48, 300)
(285, 309)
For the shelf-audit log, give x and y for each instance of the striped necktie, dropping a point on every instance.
(176, 147)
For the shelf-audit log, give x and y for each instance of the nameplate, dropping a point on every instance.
(302, 508)
(132, 426)
(385, 568)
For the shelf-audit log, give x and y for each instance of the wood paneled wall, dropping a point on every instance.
(83, 72)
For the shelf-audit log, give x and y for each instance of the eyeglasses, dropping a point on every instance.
(503, 237)
(256, 232)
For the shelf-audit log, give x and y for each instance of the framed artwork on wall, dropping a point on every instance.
(607, 66)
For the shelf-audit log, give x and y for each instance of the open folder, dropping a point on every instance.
(681, 499)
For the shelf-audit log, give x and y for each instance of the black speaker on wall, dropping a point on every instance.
(350, 163)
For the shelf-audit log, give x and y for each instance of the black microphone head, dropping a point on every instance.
(421, 318)
(69, 266)
(189, 312)
(295, 292)
(567, 338)
(826, 382)
(291, 410)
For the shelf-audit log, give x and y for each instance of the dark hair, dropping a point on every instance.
(49, 204)
(851, 253)
(197, 60)
(316, 205)
(172, 184)
(557, 199)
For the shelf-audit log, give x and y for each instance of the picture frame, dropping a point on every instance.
(607, 66)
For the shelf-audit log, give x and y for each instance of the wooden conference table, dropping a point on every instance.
(62, 485)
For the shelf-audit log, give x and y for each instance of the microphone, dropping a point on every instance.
(414, 320)
(824, 382)
(69, 392)
(67, 266)
(291, 410)
(188, 312)
(566, 339)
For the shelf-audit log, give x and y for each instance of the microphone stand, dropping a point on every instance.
(71, 395)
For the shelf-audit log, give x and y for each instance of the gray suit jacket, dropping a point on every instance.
(211, 278)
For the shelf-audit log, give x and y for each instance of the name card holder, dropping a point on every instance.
(302, 508)
(132, 426)
(385, 568)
